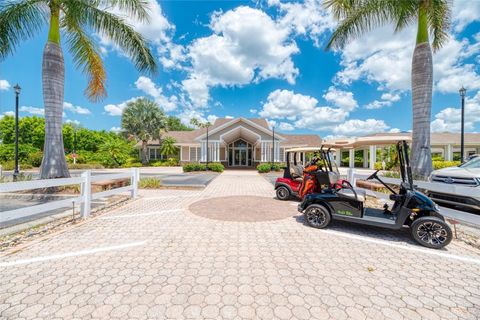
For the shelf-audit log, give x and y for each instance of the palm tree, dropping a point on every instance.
(144, 120)
(168, 147)
(432, 18)
(77, 20)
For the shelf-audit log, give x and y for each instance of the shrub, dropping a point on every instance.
(278, 166)
(264, 167)
(216, 167)
(132, 165)
(189, 167)
(10, 165)
(7, 152)
(85, 166)
(170, 162)
(149, 183)
(444, 164)
(36, 158)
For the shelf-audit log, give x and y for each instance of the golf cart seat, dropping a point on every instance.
(361, 194)
(296, 171)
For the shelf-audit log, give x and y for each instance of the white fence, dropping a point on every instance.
(430, 186)
(86, 195)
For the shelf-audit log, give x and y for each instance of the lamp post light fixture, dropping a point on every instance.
(462, 138)
(273, 146)
(17, 94)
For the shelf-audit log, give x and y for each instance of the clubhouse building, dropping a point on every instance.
(246, 142)
(239, 142)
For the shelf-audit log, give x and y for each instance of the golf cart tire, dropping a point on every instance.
(317, 216)
(422, 223)
(283, 193)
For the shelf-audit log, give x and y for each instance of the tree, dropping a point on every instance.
(432, 17)
(116, 151)
(144, 120)
(168, 147)
(77, 20)
(174, 124)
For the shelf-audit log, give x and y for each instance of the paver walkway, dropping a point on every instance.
(152, 259)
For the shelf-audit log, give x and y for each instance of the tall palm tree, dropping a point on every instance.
(432, 17)
(76, 20)
(144, 120)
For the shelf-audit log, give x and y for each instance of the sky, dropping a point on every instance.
(265, 59)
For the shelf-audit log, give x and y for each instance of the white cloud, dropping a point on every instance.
(282, 126)
(387, 99)
(302, 110)
(253, 111)
(116, 129)
(233, 57)
(73, 122)
(4, 85)
(341, 99)
(166, 103)
(117, 109)
(9, 113)
(384, 57)
(307, 18)
(187, 114)
(287, 104)
(449, 119)
(228, 117)
(464, 13)
(75, 109)
(357, 127)
(32, 110)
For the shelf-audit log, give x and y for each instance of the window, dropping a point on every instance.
(240, 144)
(152, 153)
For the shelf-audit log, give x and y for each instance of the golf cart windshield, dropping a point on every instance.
(405, 169)
(297, 158)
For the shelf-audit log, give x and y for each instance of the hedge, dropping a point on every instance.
(216, 167)
(444, 164)
(189, 167)
(264, 167)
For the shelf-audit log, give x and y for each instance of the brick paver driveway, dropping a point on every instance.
(153, 259)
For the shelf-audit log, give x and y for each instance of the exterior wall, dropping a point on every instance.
(184, 154)
(223, 155)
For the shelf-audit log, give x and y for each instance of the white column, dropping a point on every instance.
(449, 152)
(86, 194)
(365, 158)
(373, 156)
(338, 157)
(351, 158)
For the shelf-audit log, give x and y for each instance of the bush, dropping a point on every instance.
(10, 165)
(137, 164)
(170, 162)
(216, 167)
(7, 152)
(264, 167)
(444, 164)
(189, 167)
(85, 166)
(149, 183)
(36, 158)
(278, 166)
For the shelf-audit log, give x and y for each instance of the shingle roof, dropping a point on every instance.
(308, 140)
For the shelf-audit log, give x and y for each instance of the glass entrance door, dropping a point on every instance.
(239, 154)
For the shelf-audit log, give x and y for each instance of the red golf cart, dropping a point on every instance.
(299, 180)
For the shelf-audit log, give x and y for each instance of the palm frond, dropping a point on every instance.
(138, 9)
(19, 21)
(87, 57)
(360, 18)
(406, 12)
(116, 29)
(439, 21)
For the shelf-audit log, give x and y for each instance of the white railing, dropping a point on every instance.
(430, 186)
(86, 195)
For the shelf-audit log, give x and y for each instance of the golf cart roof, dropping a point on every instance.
(308, 149)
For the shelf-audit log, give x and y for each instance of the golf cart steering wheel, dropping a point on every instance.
(373, 175)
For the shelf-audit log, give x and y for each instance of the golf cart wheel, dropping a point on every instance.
(283, 193)
(431, 232)
(317, 216)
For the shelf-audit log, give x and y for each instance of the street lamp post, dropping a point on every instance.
(273, 146)
(17, 94)
(462, 138)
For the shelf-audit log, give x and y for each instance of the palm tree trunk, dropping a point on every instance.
(54, 164)
(144, 152)
(422, 77)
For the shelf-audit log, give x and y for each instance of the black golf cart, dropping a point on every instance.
(411, 208)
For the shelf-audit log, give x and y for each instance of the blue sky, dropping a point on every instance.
(266, 59)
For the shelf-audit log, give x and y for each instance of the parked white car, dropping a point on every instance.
(467, 175)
